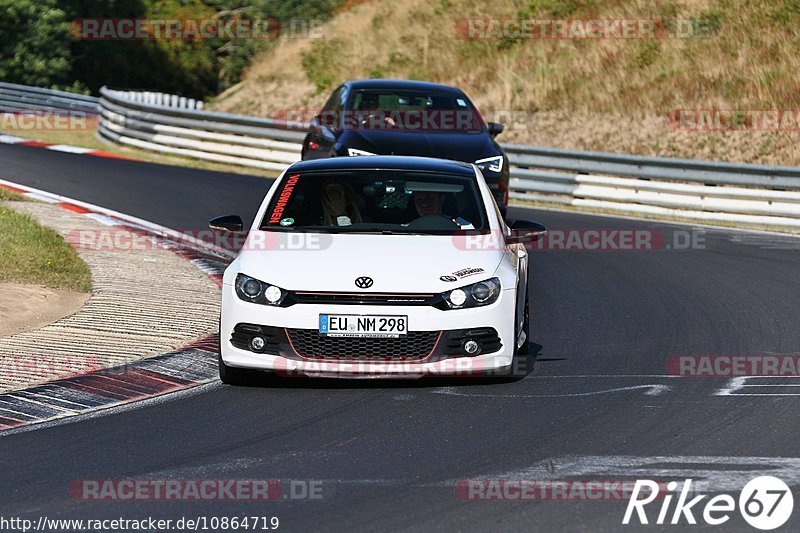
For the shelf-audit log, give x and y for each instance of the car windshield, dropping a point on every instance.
(372, 201)
(412, 110)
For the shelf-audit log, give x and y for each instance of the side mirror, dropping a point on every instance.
(495, 129)
(226, 224)
(527, 231)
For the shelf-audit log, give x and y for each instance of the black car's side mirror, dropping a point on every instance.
(226, 224)
(527, 231)
(495, 129)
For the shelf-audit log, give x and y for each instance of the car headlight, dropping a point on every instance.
(481, 293)
(255, 291)
(494, 164)
(356, 151)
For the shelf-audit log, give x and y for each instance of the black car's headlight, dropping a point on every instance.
(255, 291)
(492, 164)
(478, 294)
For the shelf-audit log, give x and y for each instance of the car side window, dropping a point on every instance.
(335, 102)
(341, 102)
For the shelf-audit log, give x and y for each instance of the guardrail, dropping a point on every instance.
(705, 191)
(21, 98)
(175, 126)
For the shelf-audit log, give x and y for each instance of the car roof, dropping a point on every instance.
(402, 84)
(387, 162)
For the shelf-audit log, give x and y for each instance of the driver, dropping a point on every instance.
(372, 115)
(369, 101)
(429, 203)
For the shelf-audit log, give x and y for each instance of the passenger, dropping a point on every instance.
(339, 206)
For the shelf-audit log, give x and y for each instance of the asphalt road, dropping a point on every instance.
(598, 401)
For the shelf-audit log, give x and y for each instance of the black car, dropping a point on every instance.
(400, 117)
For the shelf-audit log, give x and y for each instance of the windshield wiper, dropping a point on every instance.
(304, 229)
(383, 231)
(341, 230)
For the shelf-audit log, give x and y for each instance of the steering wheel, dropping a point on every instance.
(433, 222)
(386, 119)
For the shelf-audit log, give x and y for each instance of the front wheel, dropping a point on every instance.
(518, 370)
(520, 360)
(525, 348)
(231, 375)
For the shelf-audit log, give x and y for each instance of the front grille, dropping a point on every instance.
(413, 347)
(346, 298)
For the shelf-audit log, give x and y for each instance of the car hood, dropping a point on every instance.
(331, 263)
(458, 146)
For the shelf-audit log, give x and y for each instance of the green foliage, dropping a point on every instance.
(711, 21)
(36, 254)
(320, 63)
(786, 12)
(34, 43)
(187, 67)
(647, 55)
(36, 47)
(398, 59)
(556, 8)
(235, 56)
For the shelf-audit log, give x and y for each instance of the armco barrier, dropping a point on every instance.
(179, 127)
(703, 191)
(21, 98)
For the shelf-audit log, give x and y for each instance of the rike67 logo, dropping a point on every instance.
(765, 503)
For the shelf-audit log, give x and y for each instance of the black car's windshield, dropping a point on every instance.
(374, 201)
(411, 110)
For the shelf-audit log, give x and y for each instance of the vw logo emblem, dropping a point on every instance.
(364, 282)
(449, 279)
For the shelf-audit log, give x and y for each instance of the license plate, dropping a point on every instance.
(363, 326)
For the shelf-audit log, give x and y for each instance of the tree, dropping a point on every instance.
(34, 43)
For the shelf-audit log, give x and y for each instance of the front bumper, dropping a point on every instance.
(434, 333)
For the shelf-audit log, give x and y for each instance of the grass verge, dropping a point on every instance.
(32, 253)
(10, 196)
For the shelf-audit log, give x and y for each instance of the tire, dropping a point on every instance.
(231, 375)
(525, 348)
(520, 357)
